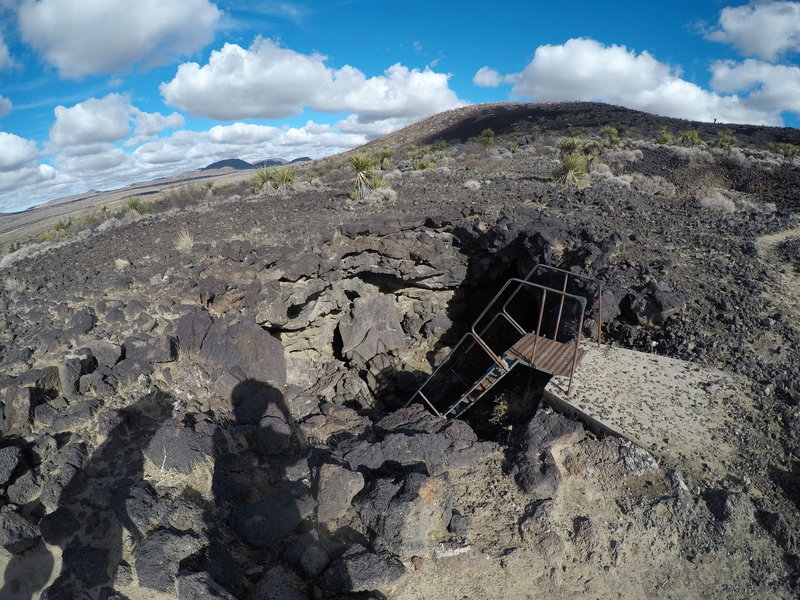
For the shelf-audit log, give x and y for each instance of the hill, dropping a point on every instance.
(210, 400)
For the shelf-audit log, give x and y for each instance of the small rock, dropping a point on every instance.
(16, 534)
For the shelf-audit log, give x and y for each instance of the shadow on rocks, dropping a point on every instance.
(81, 516)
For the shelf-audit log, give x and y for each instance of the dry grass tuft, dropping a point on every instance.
(184, 241)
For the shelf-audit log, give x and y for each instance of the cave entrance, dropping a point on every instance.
(534, 322)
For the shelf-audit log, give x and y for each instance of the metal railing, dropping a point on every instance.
(477, 336)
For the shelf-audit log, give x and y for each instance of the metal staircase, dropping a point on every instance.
(546, 338)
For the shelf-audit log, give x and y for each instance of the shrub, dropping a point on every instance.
(513, 143)
(383, 158)
(135, 204)
(664, 135)
(573, 167)
(690, 137)
(181, 196)
(788, 151)
(610, 135)
(486, 138)
(725, 139)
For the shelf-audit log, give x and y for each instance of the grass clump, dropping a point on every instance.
(184, 241)
(136, 204)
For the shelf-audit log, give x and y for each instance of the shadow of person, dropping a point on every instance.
(261, 508)
(80, 500)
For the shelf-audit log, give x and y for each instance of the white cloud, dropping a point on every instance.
(148, 124)
(91, 121)
(270, 82)
(584, 69)
(242, 133)
(487, 77)
(763, 28)
(106, 157)
(773, 88)
(88, 37)
(5, 106)
(15, 151)
(18, 180)
(5, 56)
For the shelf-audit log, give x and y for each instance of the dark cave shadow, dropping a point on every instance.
(84, 525)
(492, 260)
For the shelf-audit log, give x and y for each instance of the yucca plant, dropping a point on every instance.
(569, 145)
(487, 138)
(664, 135)
(573, 167)
(364, 169)
(725, 139)
(690, 137)
(264, 178)
(610, 136)
(283, 180)
(384, 157)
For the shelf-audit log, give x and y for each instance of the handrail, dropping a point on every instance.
(475, 335)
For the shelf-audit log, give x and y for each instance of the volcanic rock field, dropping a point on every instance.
(210, 402)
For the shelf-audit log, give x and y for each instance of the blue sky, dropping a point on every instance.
(96, 94)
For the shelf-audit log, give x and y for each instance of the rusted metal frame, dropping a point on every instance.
(560, 307)
(536, 335)
(437, 371)
(575, 353)
(598, 284)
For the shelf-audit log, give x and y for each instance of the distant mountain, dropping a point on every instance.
(234, 163)
(269, 162)
(242, 165)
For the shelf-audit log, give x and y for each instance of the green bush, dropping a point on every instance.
(610, 135)
(725, 139)
(690, 137)
(664, 135)
(788, 151)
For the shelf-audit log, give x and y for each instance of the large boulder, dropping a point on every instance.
(406, 516)
(157, 558)
(537, 472)
(372, 327)
(359, 570)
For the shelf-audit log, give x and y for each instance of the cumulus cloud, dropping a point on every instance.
(15, 151)
(89, 37)
(5, 106)
(487, 77)
(769, 87)
(764, 29)
(80, 128)
(91, 121)
(584, 69)
(270, 82)
(149, 124)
